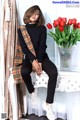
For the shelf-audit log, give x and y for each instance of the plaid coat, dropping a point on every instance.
(19, 56)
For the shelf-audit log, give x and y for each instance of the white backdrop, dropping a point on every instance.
(51, 11)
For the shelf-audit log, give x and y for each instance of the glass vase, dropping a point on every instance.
(65, 55)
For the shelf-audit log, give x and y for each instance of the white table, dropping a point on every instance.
(68, 82)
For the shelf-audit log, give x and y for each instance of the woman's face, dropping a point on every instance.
(34, 17)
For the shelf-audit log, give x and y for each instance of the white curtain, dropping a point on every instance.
(66, 105)
(67, 97)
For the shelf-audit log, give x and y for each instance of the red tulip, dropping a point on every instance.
(59, 19)
(74, 21)
(70, 22)
(75, 25)
(49, 26)
(55, 23)
(78, 25)
(61, 28)
(65, 20)
(61, 23)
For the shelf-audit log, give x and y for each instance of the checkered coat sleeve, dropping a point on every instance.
(19, 56)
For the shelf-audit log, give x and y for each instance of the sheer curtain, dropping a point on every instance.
(66, 105)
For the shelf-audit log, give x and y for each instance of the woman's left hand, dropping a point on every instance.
(40, 67)
(39, 70)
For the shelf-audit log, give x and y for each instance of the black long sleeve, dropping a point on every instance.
(24, 47)
(38, 37)
(42, 44)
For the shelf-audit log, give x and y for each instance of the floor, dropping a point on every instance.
(34, 117)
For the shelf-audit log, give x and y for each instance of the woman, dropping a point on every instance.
(34, 21)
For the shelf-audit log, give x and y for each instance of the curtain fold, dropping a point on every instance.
(2, 77)
(9, 40)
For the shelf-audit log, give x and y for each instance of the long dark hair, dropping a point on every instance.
(30, 12)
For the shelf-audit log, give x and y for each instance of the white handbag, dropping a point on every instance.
(40, 81)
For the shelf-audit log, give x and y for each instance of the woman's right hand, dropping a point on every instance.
(36, 67)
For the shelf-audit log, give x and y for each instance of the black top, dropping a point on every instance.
(38, 37)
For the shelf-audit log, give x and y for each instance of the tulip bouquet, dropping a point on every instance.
(65, 32)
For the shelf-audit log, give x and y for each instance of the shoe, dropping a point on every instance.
(49, 112)
(24, 116)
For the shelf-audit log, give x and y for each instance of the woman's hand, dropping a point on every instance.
(36, 66)
(40, 67)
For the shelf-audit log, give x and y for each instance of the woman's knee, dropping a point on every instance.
(54, 71)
